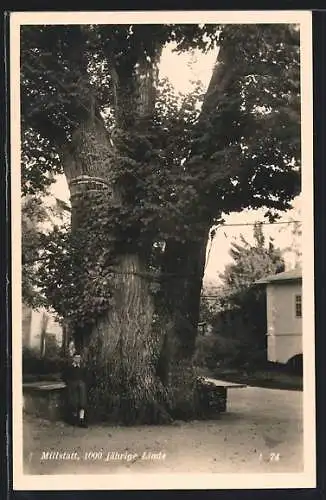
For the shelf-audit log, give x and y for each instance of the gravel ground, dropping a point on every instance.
(262, 431)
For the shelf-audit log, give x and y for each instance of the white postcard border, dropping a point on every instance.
(133, 481)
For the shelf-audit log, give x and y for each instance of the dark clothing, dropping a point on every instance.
(76, 393)
(73, 373)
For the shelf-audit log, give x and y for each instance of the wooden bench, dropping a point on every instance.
(44, 399)
(213, 392)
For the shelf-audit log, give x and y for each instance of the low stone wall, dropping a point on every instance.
(212, 400)
(45, 400)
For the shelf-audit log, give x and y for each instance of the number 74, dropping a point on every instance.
(273, 457)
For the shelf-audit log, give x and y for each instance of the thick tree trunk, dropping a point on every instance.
(122, 347)
(184, 265)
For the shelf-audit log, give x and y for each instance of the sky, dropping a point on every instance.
(181, 69)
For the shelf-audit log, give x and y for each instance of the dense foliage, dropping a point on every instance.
(245, 152)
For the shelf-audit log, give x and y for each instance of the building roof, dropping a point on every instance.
(292, 275)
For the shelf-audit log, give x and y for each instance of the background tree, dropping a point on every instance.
(241, 304)
(90, 97)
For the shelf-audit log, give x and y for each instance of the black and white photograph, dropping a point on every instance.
(162, 250)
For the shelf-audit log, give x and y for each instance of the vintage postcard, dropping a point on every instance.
(162, 250)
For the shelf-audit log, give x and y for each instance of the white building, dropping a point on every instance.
(284, 315)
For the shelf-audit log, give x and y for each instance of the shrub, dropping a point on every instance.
(224, 352)
(34, 364)
(205, 355)
(216, 350)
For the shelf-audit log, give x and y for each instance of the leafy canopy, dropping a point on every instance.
(235, 147)
(243, 150)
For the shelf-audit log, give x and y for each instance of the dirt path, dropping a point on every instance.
(261, 432)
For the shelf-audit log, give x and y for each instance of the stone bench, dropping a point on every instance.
(213, 395)
(44, 399)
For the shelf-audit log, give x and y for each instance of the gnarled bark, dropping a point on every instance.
(184, 270)
(122, 347)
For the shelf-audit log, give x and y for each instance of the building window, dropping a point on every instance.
(298, 306)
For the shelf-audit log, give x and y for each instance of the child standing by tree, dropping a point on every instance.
(76, 391)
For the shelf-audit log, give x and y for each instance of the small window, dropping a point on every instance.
(298, 306)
